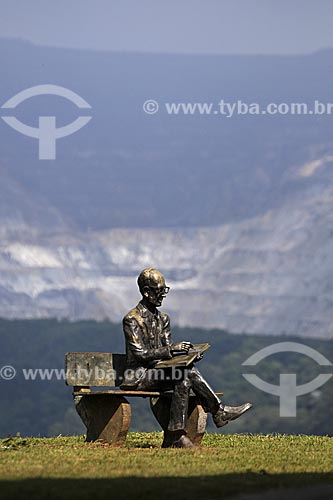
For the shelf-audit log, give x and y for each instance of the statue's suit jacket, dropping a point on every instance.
(148, 339)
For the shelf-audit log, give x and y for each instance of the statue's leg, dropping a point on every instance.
(106, 417)
(209, 400)
(176, 411)
(179, 405)
(196, 421)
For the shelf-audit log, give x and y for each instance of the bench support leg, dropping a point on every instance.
(196, 422)
(107, 418)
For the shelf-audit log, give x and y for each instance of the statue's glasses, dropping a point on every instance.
(160, 290)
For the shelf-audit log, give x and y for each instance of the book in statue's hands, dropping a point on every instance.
(184, 359)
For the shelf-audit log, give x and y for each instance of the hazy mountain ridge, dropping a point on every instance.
(236, 213)
(129, 169)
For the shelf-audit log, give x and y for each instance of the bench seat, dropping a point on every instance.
(106, 413)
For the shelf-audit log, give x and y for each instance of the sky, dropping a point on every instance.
(173, 26)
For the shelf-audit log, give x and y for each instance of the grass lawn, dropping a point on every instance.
(69, 468)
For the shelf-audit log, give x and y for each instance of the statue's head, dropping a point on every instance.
(152, 286)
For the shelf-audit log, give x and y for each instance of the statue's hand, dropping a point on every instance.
(181, 346)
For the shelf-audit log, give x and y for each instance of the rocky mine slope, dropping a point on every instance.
(269, 274)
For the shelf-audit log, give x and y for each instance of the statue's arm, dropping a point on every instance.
(135, 343)
(166, 334)
(166, 338)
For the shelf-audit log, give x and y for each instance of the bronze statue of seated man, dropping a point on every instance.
(148, 340)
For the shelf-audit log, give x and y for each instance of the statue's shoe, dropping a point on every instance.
(227, 413)
(183, 442)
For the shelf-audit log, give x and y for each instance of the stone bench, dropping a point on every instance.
(105, 412)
